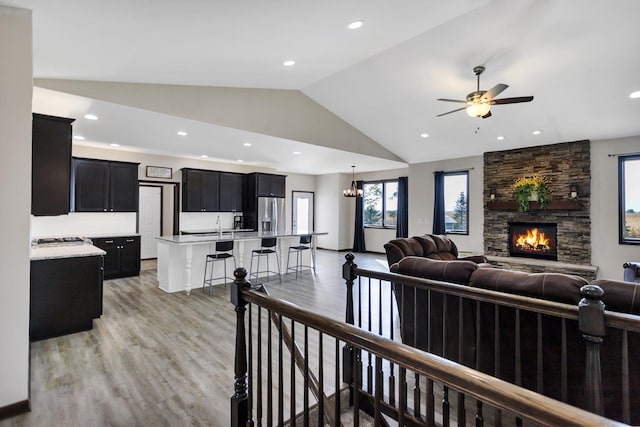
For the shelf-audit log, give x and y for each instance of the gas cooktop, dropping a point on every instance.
(60, 241)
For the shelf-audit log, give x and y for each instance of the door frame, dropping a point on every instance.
(313, 213)
(176, 204)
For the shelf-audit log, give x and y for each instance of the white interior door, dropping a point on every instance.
(149, 221)
(302, 215)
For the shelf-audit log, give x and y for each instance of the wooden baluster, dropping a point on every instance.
(259, 362)
(479, 417)
(626, 405)
(240, 415)
(305, 387)
(496, 357)
(392, 378)
(348, 361)
(461, 397)
(369, 355)
(445, 406)
(357, 386)
(592, 327)
(402, 404)
(336, 399)
(292, 378)
(280, 374)
(269, 372)
(378, 392)
(430, 404)
(563, 367)
(321, 381)
(250, 362)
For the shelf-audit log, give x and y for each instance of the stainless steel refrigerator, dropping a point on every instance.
(271, 215)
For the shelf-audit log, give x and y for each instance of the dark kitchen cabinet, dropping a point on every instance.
(122, 257)
(65, 297)
(50, 165)
(200, 190)
(231, 191)
(104, 186)
(269, 185)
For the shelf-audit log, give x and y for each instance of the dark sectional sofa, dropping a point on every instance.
(433, 322)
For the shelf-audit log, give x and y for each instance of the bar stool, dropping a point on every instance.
(224, 251)
(266, 248)
(305, 244)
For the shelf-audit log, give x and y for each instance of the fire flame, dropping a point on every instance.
(534, 239)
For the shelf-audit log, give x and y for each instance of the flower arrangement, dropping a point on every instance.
(528, 187)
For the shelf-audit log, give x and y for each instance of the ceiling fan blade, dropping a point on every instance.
(511, 100)
(451, 100)
(487, 115)
(452, 111)
(495, 91)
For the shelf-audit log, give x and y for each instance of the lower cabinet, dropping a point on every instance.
(66, 295)
(123, 255)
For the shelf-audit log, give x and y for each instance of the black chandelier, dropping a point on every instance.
(353, 191)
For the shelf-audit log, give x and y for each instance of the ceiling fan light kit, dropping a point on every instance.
(479, 102)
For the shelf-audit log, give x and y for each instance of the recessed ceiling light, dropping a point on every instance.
(297, 152)
(536, 132)
(240, 161)
(289, 63)
(635, 94)
(204, 156)
(79, 137)
(181, 133)
(424, 135)
(247, 144)
(500, 138)
(354, 25)
(91, 117)
(115, 145)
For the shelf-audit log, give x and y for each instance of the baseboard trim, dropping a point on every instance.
(15, 409)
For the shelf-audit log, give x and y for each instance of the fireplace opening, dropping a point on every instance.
(533, 240)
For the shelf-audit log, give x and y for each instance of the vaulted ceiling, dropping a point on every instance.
(215, 69)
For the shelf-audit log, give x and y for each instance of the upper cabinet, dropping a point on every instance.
(200, 190)
(104, 186)
(268, 185)
(231, 191)
(50, 165)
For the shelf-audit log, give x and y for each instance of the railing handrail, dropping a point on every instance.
(501, 394)
(629, 322)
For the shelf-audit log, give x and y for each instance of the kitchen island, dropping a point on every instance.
(66, 289)
(181, 259)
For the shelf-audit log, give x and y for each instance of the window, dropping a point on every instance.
(456, 202)
(380, 203)
(629, 196)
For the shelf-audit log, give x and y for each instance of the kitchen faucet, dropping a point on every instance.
(219, 223)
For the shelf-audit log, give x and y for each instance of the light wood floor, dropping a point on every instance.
(158, 359)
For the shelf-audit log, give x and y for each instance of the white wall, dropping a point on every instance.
(15, 198)
(333, 211)
(606, 252)
(421, 194)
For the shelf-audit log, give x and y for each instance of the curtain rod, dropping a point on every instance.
(454, 171)
(623, 154)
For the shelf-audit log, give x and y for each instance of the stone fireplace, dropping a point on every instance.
(566, 165)
(533, 240)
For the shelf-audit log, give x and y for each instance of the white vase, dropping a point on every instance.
(533, 197)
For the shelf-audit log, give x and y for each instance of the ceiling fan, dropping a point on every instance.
(479, 102)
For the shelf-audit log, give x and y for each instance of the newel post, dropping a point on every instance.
(240, 399)
(349, 275)
(591, 324)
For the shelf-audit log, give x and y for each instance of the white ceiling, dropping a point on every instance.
(578, 58)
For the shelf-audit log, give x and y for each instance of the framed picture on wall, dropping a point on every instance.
(158, 172)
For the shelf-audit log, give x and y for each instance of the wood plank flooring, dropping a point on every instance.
(158, 359)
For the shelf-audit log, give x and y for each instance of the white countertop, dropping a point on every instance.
(235, 235)
(213, 230)
(64, 251)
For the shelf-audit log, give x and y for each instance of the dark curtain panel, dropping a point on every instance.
(438, 203)
(358, 235)
(402, 225)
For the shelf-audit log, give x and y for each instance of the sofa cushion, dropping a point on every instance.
(437, 246)
(447, 271)
(557, 287)
(397, 249)
(620, 296)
